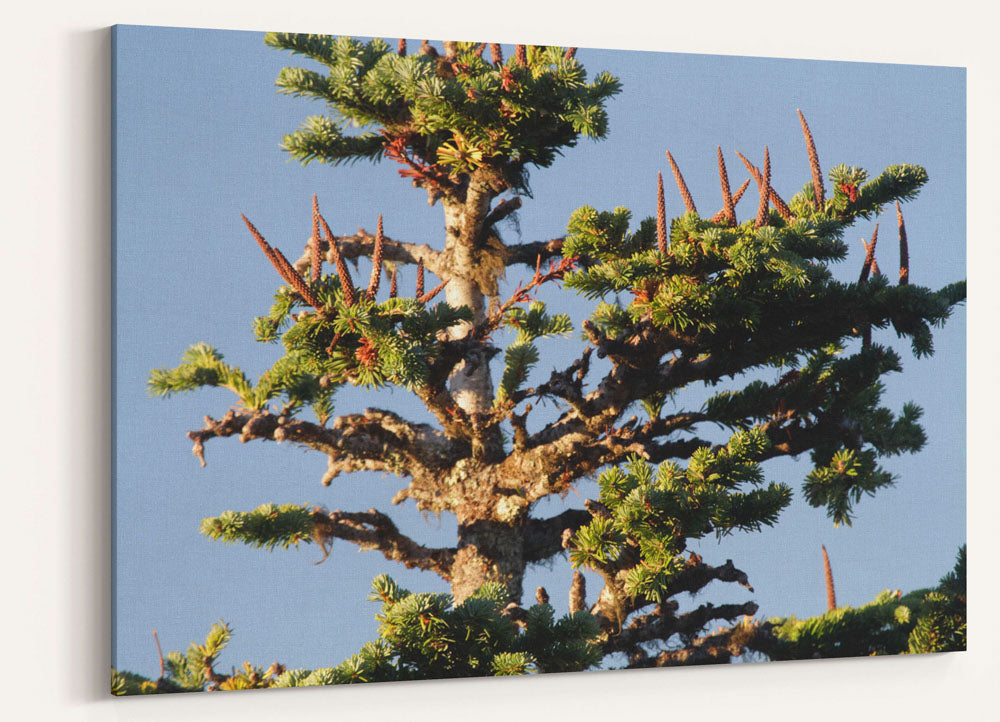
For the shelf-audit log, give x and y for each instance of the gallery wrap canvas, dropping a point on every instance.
(601, 359)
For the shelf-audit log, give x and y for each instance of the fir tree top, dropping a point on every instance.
(445, 116)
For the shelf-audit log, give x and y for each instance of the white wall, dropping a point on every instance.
(54, 171)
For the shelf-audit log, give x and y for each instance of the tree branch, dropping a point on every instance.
(717, 648)
(614, 606)
(362, 244)
(577, 444)
(375, 440)
(697, 575)
(528, 253)
(501, 210)
(585, 436)
(638, 370)
(692, 622)
(373, 530)
(661, 624)
(543, 537)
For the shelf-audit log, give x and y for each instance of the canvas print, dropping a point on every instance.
(601, 359)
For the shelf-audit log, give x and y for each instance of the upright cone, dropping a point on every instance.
(831, 594)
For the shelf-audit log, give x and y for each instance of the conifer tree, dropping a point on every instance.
(698, 301)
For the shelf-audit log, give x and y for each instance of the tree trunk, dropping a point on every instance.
(488, 550)
(464, 219)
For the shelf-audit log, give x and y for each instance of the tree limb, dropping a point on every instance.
(528, 253)
(692, 622)
(543, 537)
(501, 210)
(373, 530)
(375, 440)
(697, 575)
(661, 624)
(717, 648)
(614, 606)
(362, 244)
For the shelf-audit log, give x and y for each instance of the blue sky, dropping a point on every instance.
(198, 127)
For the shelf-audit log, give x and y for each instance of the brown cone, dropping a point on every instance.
(315, 260)
(817, 171)
(904, 249)
(346, 282)
(869, 255)
(765, 191)
(661, 217)
(376, 277)
(727, 196)
(831, 594)
(681, 185)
